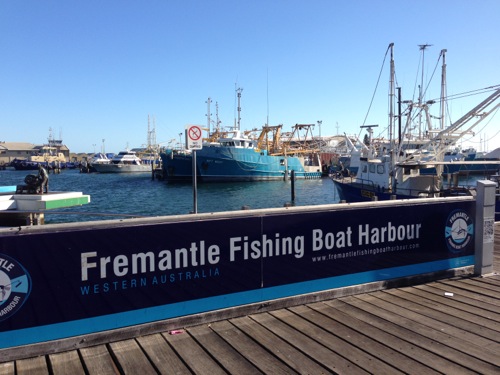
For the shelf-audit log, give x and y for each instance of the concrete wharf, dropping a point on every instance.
(445, 326)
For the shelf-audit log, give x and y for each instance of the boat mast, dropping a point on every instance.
(217, 120)
(209, 100)
(443, 89)
(421, 91)
(238, 94)
(153, 133)
(149, 135)
(392, 95)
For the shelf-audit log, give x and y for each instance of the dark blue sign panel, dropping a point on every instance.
(64, 283)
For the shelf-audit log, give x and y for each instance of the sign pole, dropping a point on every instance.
(194, 141)
(195, 189)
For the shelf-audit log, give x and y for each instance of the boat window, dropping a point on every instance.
(365, 168)
(380, 169)
(372, 168)
(282, 161)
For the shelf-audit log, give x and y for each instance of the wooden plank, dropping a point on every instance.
(97, 360)
(195, 357)
(32, 366)
(465, 320)
(470, 288)
(361, 341)
(415, 359)
(393, 319)
(279, 347)
(7, 368)
(66, 363)
(326, 342)
(130, 359)
(230, 359)
(454, 332)
(398, 338)
(434, 295)
(489, 280)
(161, 354)
(486, 287)
(456, 288)
(253, 352)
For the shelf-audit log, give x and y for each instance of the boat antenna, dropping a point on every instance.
(267, 95)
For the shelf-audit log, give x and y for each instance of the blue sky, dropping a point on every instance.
(93, 70)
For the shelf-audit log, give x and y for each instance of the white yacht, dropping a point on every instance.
(123, 162)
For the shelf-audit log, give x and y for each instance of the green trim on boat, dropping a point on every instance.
(66, 202)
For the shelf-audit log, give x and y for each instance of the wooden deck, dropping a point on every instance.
(449, 326)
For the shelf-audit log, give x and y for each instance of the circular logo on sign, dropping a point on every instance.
(459, 231)
(15, 286)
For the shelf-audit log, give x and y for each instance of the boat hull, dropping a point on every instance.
(177, 167)
(219, 164)
(353, 192)
(27, 165)
(357, 192)
(121, 168)
(225, 164)
(24, 165)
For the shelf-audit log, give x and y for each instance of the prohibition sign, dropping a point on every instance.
(194, 133)
(194, 139)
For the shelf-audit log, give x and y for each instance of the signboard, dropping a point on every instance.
(194, 137)
(56, 284)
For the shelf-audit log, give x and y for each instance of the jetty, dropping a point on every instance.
(449, 326)
(28, 209)
(444, 321)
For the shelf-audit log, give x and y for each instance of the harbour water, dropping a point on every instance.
(115, 196)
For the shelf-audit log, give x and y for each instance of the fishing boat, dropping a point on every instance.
(47, 156)
(496, 179)
(393, 173)
(468, 162)
(235, 156)
(124, 162)
(240, 158)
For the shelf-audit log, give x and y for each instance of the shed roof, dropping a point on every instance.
(17, 146)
